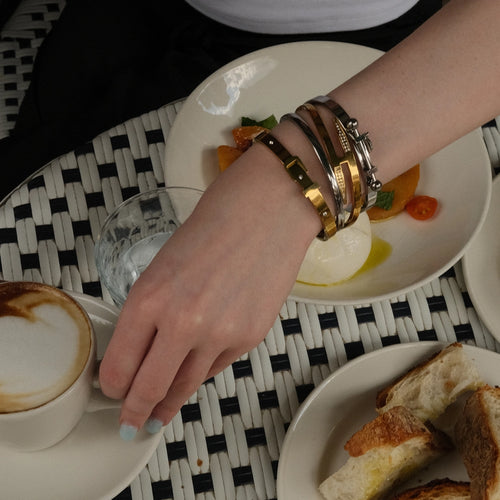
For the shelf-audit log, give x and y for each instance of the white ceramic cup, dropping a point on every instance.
(39, 418)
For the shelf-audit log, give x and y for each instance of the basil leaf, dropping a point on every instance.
(268, 122)
(384, 199)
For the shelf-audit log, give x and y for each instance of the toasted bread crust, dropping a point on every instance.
(383, 394)
(439, 488)
(391, 429)
(477, 444)
(445, 357)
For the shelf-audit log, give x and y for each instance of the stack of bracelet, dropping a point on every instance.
(351, 176)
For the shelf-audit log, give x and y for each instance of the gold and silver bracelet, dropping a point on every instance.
(360, 144)
(344, 167)
(351, 174)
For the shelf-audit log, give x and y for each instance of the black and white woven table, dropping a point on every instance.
(226, 441)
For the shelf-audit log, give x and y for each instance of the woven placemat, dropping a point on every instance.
(226, 441)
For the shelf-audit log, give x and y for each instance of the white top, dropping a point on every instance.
(302, 16)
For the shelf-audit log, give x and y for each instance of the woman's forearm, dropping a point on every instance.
(431, 89)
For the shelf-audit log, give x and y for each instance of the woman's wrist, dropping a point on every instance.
(298, 144)
(348, 177)
(339, 172)
(264, 190)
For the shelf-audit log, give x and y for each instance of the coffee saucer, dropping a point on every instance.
(93, 462)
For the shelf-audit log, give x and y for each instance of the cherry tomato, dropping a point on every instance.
(422, 207)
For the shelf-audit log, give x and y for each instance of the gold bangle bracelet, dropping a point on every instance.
(328, 146)
(319, 150)
(360, 145)
(298, 172)
(345, 163)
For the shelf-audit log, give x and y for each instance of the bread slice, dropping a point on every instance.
(430, 387)
(477, 434)
(439, 489)
(384, 452)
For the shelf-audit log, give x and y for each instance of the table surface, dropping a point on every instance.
(228, 446)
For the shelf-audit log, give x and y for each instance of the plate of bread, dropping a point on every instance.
(410, 421)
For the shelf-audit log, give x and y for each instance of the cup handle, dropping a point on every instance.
(98, 401)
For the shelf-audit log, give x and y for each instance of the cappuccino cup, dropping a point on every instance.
(48, 366)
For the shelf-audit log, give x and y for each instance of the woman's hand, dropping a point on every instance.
(214, 290)
(210, 295)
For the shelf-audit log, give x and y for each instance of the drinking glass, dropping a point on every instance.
(134, 233)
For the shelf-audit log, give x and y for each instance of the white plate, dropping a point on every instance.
(92, 462)
(314, 444)
(278, 79)
(481, 266)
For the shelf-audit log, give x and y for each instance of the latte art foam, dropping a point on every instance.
(45, 342)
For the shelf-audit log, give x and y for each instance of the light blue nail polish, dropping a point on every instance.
(153, 425)
(127, 432)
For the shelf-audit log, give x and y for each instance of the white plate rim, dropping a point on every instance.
(406, 354)
(476, 255)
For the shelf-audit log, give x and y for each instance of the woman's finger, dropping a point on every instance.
(152, 381)
(127, 348)
(189, 377)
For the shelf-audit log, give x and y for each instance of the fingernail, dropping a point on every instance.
(128, 432)
(153, 425)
